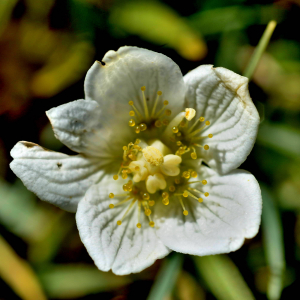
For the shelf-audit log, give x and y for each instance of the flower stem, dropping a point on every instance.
(259, 50)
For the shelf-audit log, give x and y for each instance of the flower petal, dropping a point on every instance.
(125, 72)
(83, 127)
(125, 249)
(219, 224)
(55, 177)
(222, 97)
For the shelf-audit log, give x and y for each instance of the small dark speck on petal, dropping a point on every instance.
(59, 165)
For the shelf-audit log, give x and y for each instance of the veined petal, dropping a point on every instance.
(125, 249)
(55, 177)
(220, 223)
(125, 72)
(222, 97)
(83, 127)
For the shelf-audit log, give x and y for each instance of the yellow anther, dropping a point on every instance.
(151, 202)
(210, 135)
(130, 103)
(137, 129)
(143, 126)
(168, 112)
(119, 222)
(194, 174)
(158, 123)
(178, 143)
(206, 147)
(206, 194)
(146, 196)
(131, 113)
(137, 168)
(130, 183)
(131, 123)
(166, 102)
(151, 224)
(138, 225)
(175, 129)
(124, 175)
(165, 201)
(125, 148)
(137, 141)
(159, 93)
(165, 195)
(204, 182)
(200, 200)
(115, 177)
(177, 181)
(201, 119)
(147, 212)
(125, 187)
(172, 188)
(207, 123)
(111, 195)
(185, 212)
(194, 155)
(111, 206)
(185, 194)
(143, 88)
(186, 174)
(165, 122)
(178, 134)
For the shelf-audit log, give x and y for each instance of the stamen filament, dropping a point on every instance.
(143, 88)
(193, 196)
(126, 212)
(123, 201)
(185, 212)
(193, 126)
(155, 104)
(139, 115)
(195, 190)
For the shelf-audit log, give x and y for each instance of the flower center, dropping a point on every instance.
(157, 174)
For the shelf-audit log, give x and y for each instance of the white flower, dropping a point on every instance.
(151, 128)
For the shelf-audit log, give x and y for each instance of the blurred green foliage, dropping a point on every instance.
(47, 46)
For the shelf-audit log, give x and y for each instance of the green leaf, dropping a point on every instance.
(77, 280)
(18, 274)
(281, 138)
(223, 277)
(166, 277)
(273, 244)
(158, 23)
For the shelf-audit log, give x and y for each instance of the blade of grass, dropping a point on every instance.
(273, 244)
(223, 277)
(18, 274)
(166, 277)
(259, 50)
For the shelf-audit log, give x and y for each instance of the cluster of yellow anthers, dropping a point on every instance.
(156, 118)
(187, 139)
(178, 182)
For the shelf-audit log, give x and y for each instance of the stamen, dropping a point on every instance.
(137, 129)
(143, 126)
(151, 202)
(194, 174)
(131, 113)
(136, 110)
(131, 122)
(193, 154)
(159, 93)
(165, 122)
(121, 202)
(111, 195)
(159, 113)
(172, 188)
(119, 222)
(210, 135)
(191, 134)
(185, 212)
(143, 88)
(139, 225)
(206, 147)
(175, 129)
(158, 123)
